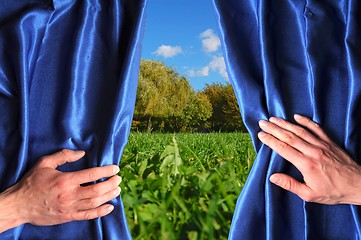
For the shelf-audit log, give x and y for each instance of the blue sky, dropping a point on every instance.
(184, 35)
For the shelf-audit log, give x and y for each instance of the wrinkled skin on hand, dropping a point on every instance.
(46, 196)
(330, 175)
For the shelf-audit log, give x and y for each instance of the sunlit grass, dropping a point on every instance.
(183, 186)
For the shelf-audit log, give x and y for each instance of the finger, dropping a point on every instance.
(297, 130)
(61, 157)
(93, 213)
(285, 136)
(312, 126)
(92, 203)
(283, 149)
(94, 174)
(290, 184)
(99, 189)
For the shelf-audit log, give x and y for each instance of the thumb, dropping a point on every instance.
(59, 158)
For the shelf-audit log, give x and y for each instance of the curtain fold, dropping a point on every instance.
(68, 79)
(286, 57)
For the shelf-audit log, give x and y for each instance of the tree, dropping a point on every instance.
(162, 96)
(226, 114)
(197, 112)
(166, 102)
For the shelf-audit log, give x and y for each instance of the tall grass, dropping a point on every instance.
(183, 186)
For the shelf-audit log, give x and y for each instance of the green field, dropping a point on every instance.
(183, 186)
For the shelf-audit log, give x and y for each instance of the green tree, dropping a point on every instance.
(197, 112)
(226, 114)
(164, 99)
(167, 102)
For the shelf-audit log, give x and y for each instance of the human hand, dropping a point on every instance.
(330, 175)
(46, 196)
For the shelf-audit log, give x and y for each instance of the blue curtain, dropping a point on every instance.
(286, 57)
(68, 78)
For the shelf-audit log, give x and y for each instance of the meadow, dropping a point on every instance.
(184, 185)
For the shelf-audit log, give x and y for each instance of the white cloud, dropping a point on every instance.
(167, 51)
(217, 64)
(203, 72)
(210, 41)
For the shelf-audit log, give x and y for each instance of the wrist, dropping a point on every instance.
(355, 187)
(10, 210)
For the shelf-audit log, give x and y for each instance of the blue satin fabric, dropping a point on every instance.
(287, 57)
(68, 78)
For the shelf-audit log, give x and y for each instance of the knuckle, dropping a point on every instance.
(314, 124)
(273, 127)
(318, 153)
(310, 122)
(62, 211)
(287, 185)
(287, 136)
(93, 203)
(286, 124)
(96, 190)
(62, 183)
(282, 146)
(91, 176)
(290, 138)
(63, 198)
(43, 161)
(300, 131)
(87, 215)
(310, 166)
(65, 152)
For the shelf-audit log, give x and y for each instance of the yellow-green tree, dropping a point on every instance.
(197, 112)
(226, 114)
(166, 101)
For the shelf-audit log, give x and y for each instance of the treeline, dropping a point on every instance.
(166, 102)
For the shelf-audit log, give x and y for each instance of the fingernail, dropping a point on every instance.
(117, 191)
(261, 134)
(119, 180)
(274, 179)
(79, 152)
(297, 117)
(109, 208)
(116, 169)
(262, 123)
(274, 119)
